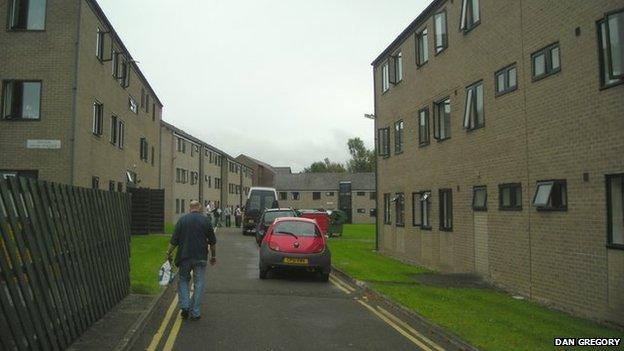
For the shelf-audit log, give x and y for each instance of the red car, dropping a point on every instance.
(295, 242)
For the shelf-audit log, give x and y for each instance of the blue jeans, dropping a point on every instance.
(184, 278)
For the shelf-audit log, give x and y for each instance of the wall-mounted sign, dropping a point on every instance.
(43, 144)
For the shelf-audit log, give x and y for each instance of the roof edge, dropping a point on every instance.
(408, 31)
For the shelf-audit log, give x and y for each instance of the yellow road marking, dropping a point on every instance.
(339, 287)
(410, 329)
(345, 285)
(396, 327)
(163, 325)
(173, 334)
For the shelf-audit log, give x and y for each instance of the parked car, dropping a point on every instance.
(258, 200)
(321, 218)
(295, 243)
(267, 218)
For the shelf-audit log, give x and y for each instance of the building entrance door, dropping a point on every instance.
(482, 262)
(344, 200)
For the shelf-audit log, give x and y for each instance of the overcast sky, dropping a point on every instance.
(287, 82)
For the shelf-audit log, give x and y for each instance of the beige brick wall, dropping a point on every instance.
(556, 128)
(210, 193)
(330, 202)
(48, 56)
(96, 156)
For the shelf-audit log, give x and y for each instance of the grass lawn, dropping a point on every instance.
(489, 320)
(147, 254)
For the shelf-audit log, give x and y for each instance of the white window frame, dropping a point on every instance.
(472, 118)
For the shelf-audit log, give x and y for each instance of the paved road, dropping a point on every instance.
(285, 312)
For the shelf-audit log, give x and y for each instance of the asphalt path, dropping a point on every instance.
(285, 312)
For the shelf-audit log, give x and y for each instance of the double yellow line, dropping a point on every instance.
(393, 321)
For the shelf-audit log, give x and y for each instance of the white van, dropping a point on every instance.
(258, 200)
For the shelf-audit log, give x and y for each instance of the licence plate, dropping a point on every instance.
(291, 260)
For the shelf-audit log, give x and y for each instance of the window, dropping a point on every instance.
(114, 125)
(399, 205)
(360, 193)
(546, 61)
(420, 209)
(615, 210)
(5, 173)
(125, 78)
(194, 178)
(441, 36)
(510, 197)
(361, 210)
(442, 119)
(422, 48)
(611, 37)
(217, 183)
(551, 195)
(506, 80)
(111, 185)
(122, 132)
(21, 100)
(398, 137)
(295, 195)
(147, 103)
(181, 145)
(98, 118)
(182, 207)
(385, 77)
(383, 140)
(177, 206)
(386, 208)
(132, 105)
(143, 149)
(423, 127)
(395, 68)
(153, 112)
(329, 193)
(316, 195)
(115, 63)
(470, 15)
(473, 110)
(99, 44)
(283, 195)
(373, 195)
(152, 160)
(479, 198)
(95, 182)
(27, 15)
(446, 209)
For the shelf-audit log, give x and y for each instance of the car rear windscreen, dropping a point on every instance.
(269, 217)
(296, 227)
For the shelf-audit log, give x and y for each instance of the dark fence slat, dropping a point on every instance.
(64, 261)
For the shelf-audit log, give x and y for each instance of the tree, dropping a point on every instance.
(362, 159)
(325, 166)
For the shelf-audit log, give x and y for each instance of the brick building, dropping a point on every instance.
(75, 106)
(508, 116)
(263, 173)
(353, 193)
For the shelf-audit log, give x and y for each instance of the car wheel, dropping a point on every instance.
(324, 277)
(264, 273)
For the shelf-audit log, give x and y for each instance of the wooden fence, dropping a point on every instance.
(64, 261)
(148, 210)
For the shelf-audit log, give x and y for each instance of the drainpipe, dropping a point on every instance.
(376, 163)
(74, 98)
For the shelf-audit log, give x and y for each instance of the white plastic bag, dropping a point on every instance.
(165, 274)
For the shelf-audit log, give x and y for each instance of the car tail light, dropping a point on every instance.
(319, 246)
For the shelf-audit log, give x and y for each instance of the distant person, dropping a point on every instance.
(238, 216)
(227, 213)
(193, 236)
(217, 213)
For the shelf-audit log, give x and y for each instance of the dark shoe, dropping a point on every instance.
(195, 318)
(184, 314)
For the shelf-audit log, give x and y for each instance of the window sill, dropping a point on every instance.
(446, 229)
(474, 25)
(607, 86)
(425, 228)
(552, 209)
(479, 209)
(545, 75)
(19, 30)
(441, 51)
(419, 66)
(423, 144)
(510, 208)
(398, 153)
(399, 225)
(387, 223)
(505, 92)
(475, 128)
(441, 140)
(615, 246)
(21, 119)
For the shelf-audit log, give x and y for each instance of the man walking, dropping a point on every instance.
(193, 235)
(228, 216)
(238, 216)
